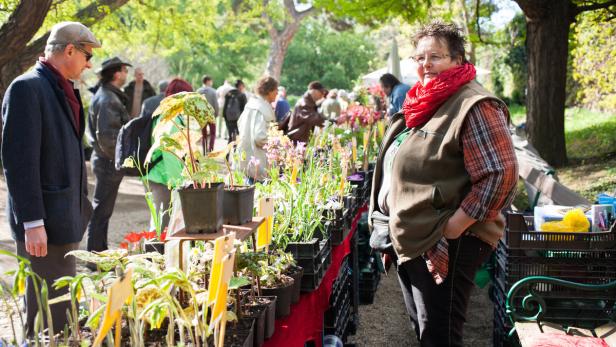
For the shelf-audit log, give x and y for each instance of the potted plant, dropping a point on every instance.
(238, 198)
(290, 268)
(275, 283)
(182, 116)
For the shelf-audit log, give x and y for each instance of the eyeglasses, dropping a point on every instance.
(86, 53)
(434, 58)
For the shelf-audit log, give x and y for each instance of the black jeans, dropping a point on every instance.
(233, 129)
(105, 192)
(438, 311)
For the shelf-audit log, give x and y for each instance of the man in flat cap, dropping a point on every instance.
(106, 116)
(44, 165)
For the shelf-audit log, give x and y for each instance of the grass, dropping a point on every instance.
(588, 134)
(591, 147)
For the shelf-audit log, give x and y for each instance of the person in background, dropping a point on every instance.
(221, 93)
(44, 166)
(395, 91)
(210, 95)
(150, 104)
(235, 101)
(137, 91)
(107, 114)
(165, 169)
(253, 124)
(445, 171)
(282, 104)
(305, 116)
(331, 106)
(343, 99)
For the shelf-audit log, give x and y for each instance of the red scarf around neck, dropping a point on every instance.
(422, 101)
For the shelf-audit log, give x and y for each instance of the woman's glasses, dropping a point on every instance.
(432, 58)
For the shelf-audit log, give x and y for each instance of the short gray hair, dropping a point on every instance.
(55, 48)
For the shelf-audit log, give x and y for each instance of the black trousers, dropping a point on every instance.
(438, 311)
(105, 193)
(50, 267)
(233, 129)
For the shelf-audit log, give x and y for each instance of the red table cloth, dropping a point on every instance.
(305, 322)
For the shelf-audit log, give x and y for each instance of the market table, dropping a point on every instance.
(305, 323)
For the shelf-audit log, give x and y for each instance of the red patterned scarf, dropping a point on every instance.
(422, 101)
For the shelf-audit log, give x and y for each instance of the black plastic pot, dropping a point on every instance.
(242, 330)
(283, 298)
(202, 208)
(270, 316)
(296, 274)
(258, 313)
(238, 204)
(154, 246)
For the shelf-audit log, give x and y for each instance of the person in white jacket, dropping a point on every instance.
(253, 125)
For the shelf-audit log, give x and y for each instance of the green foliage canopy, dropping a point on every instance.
(318, 52)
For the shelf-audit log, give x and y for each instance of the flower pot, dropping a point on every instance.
(296, 274)
(154, 246)
(270, 314)
(240, 333)
(283, 295)
(202, 208)
(258, 312)
(238, 204)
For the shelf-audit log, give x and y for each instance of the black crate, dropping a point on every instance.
(303, 250)
(310, 265)
(311, 281)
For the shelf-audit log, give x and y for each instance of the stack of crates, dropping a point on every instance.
(340, 311)
(369, 274)
(588, 257)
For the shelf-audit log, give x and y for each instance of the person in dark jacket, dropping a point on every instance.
(136, 92)
(150, 104)
(305, 116)
(106, 116)
(44, 166)
(235, 101)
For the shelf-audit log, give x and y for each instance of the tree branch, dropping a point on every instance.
(21, 26)
(269, 22)
(297, 15)
(594, 6)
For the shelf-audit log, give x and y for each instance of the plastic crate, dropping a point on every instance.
(520, 234)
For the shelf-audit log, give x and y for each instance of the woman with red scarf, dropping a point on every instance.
(445, 171)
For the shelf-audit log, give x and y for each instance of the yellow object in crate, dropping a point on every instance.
(574, 221)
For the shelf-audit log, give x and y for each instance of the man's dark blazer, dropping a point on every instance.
(43, 158)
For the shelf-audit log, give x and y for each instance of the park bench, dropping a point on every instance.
(562, 321)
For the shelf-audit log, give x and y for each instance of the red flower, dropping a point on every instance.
(163, 235)
(124, 245)
(132, 237)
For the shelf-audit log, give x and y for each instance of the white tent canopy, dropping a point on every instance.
(408, 72)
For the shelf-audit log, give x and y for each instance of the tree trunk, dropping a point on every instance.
(547, 24)
(278, 50)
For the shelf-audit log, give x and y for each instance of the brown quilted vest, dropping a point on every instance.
(429, 180)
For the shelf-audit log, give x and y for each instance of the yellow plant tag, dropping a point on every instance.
(354, 148)
(294, 174)
(120, 292)
(220, 306)
(264, 233)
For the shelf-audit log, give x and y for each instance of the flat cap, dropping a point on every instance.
(72, 32)
(112, 62)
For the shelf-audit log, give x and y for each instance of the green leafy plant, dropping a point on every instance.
(182, 116)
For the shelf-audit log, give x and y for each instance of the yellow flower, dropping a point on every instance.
(21, 285)
(573, 221)
(128, 163)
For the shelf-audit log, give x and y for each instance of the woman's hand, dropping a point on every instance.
(457, 224)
